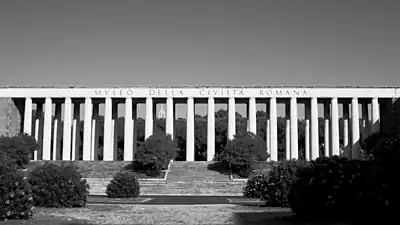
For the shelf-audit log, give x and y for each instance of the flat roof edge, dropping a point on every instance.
(191, 86)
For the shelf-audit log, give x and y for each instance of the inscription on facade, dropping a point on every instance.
(207, 92)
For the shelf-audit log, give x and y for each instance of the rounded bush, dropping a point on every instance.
(58, 186)
(277, 186)
(19, 148)
(154, 154)
(240, 153)
(123, 185)
(16, 200)
(335, 189)
(254, 186)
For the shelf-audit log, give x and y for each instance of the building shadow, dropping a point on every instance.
(218, 167)
(286, 218)
(270, 218)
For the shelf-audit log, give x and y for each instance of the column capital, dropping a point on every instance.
(334, 98)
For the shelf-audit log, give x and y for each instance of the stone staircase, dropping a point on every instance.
(184, 178)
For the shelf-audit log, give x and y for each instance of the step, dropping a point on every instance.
(99, 185)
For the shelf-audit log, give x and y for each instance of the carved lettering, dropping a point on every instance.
(212, 92)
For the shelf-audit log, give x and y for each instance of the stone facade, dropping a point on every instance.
(384, 115)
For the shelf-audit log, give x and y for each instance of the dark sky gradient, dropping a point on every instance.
(200, 42)
(136, 42)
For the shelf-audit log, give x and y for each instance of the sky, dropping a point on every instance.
(149, 42)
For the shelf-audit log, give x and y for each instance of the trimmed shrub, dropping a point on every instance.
(19, 148)
(276, 188)
(16, 200)
(240, 153)
(338, 189)
(254, 186)
(322, 186)
(58, 186)
(123, 185)
(154, 154)
(7, 164)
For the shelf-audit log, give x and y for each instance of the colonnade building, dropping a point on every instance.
(375, 107)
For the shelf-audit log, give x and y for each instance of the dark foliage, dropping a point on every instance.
(240, 153)
(19, 148)
(154, 154)
(254, 186)
(276, 188)
(58, 186)
(15, 193)
(337, 189)
(123, 185)
(16, 201)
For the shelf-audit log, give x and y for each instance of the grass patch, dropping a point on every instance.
(167, 214)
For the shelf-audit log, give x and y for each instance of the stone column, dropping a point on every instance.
(190, 130)
(365, 120)
(149, 118)
(169, 126)
(287, 132)
(375, 115)
(267, 131)
(67, 129)
(307, 138)
(114, 129)
(294, 141)
(56, 139)
(268, 137)
(87, 130)
(287, 140)
(314, 129)
(335, 126)
(93, 156)
(128, 136)
(38, 134)
(134, 118)
(252, 115)
(326, 129)
(76, 132)
(347, 149)
(274, 129)
(231, 118)
(28, 116)
(47, 129)
(95, 132)
(355, 129)
(211, 129)
(108, 153)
